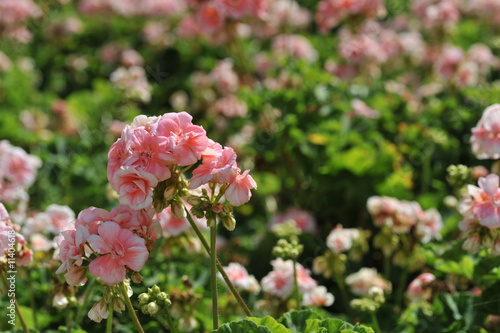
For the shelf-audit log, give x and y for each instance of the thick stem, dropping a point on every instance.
(230, 284)
(375, 324)
(130, 308)
(296, 284)
(109, 321)
(213, 275)
(170, 321)
(16, 305)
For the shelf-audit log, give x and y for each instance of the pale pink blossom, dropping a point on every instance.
(240, 277)
(60, 301)
(361, 281)
(134, 187)
(188, 27)
(303, 219)
(238, 193)
(360, 109)
(71, 251)
(99, 311)
(225, 77)
(436, 13)
(294, 46)
(472, 243)
(131, 58)
(419, 290)
(448, 61)
(119, 249)
(485, 139)
(91, 218)
(140, 221)
(485, 201)
(341, 240)
(279, 282)
(59, 216)
(39, 242)
(318, 297)
(186, 141)
(235, 9)
(429, 226)
(133, 81)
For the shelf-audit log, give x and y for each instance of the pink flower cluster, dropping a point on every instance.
(485, 139)
(294, 46)
(362, 281)
(18, 171)
(341, 239)
(455, 66)
(129, 8)
(133, 81)
(331, 13)
(13, 14)
(120, 239)
(480, 209)
(13, 249)
(486, 10)
(436, 13)
(279, 283)
(240, 278)
(405, 217)
(360, 109)
(418, 290)
(151, 146)
(303, 219)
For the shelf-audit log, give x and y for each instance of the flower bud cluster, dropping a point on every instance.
(154, 301)
(288, 249)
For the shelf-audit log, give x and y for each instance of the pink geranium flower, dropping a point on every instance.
(418, 289)
(303, 219)
(120, 249)
(235, 8)
(172, 226)
(239, 192)
(134, 187)
(209, 17)
(485, 139)
(340, 240)
(148, 153)
(186, 141)
(218, 166)
(487, 201)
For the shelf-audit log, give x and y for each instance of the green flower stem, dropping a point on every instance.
(83, 306)
(109, 321)
(343, 292)
(401, 286)
(387, 266)
(213, 275)
(231, 286)
(296, 284)
(130, 308)
(18, 310)
(375, 324)
(170, 321)
(33, 301)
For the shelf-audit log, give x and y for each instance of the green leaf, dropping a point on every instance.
(467, 265)
(243, 326)
(270, 323)
(296, 321)
(268, 184)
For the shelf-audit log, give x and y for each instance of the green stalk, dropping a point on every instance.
(343, 292)
(170, 321)
(109, 321)
(230, 284)
(33, 301)
(401, 286)
(213, 274)
(296, 284)
(375, 324)
(130, 308)
(16, 305)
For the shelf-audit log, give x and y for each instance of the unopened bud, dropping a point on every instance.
(155, 290)
(170, 192)
(211, 222)
(229, 222)
(194, 200)
(163, 299)
(152, 308)
(178, 209)
(143, 298)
